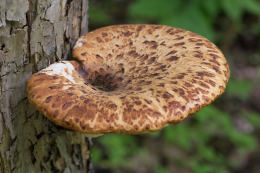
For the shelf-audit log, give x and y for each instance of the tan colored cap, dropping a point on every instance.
(150, 75)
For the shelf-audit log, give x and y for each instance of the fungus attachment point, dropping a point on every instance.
(131, 79)
(93, 135)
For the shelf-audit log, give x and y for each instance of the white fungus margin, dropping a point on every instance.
(62, 68)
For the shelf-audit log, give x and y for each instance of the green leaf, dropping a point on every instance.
(252, 6)
(211, 7)
(161, 169)
(210, 155)
(207, 114)
(202, 167)
(233, 8)
(118, 147)
(152, 9)
(191, 19)
(254, 119)
(180, 135)
(216, 118)
(96, 155)
(99, 16)
(244, 142)
(240, 88)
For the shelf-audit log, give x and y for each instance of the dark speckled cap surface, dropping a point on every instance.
(130, 79)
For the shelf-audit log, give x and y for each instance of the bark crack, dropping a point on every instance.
(29, 16)
(68, 7)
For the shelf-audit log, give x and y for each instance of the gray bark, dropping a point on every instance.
(34, 34)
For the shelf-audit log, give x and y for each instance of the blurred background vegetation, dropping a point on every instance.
(223, 137)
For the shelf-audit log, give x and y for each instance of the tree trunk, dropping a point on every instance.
(34, 34)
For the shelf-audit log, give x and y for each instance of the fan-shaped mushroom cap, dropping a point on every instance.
(151, 76)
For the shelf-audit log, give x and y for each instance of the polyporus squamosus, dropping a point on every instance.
(150, 75)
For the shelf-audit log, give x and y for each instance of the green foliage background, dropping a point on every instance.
(220, 138)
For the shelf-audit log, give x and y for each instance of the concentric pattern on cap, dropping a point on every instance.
(155, 75)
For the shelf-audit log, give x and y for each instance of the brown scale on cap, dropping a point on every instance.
(131, 79)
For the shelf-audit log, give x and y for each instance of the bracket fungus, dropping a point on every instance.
(130, 79)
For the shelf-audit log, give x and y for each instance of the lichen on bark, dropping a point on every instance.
(34, 34)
